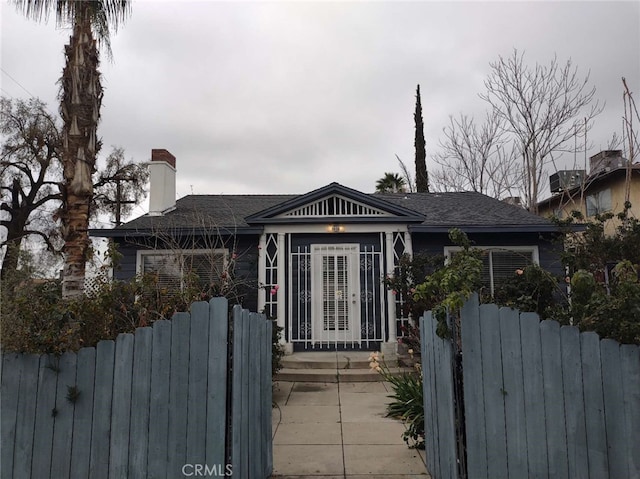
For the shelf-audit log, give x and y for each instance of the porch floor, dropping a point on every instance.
(339, 431)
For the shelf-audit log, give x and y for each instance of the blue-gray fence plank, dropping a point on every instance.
(553, 399)
(236, 397)
(437, 400)
(533, 395)
(62, 435)
(594, 405)
(11, 372)
(46, 410)
(493, 389)
(83, 413)
(133, 391)
(178, 394)
(244, 418)
(26, 416)
(578, 397)
(574, 414)
(159, 400)
(513, 393)
(427, 331)
(217, 382)
(197, 403)
(140, 392)
(239, 373)
(473, 391)
(121, 417)
(102, 402)
(614, 408)
(435, 413)
(266, 394)
(446, 423)
(255, 334)
(630, 368)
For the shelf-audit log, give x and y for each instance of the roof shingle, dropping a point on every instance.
(460, 209)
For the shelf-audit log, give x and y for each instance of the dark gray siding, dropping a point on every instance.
(245, 268)
(549, 249)
(126, 267)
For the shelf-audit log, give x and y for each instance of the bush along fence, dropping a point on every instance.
(172, 400)
(539, 400)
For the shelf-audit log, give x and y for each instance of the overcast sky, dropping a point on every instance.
(287, 97)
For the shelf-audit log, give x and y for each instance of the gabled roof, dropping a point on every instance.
(247, 214)
(335, 201)
(469, 211)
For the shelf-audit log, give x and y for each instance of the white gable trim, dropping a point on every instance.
(335, 206)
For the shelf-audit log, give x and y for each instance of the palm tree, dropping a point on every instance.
(80, 101)
(391, 183)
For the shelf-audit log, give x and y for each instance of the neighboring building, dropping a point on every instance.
(316, 261)
(603, 190)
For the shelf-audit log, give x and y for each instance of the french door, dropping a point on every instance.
(336, 287)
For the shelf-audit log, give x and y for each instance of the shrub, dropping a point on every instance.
(407, 400)
(530, 289)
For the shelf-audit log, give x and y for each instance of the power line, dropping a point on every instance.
(31, 95)
(6, 93)
(17, 82)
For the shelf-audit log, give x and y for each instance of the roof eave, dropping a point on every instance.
(551, 228)
(185, 231)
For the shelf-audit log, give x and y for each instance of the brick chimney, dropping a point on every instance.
(162, 182)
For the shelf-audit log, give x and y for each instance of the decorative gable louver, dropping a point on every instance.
(335, 201)
(334, 206)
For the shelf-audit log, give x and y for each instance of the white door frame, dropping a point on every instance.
(337, 290)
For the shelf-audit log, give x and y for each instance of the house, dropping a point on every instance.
(316, 261)
(603, 190)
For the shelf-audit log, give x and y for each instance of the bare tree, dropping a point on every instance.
(120, 185)
(630, 135)
(477, 158)
(542, 109)
(197, 261)
(30, 172)
(31, 180)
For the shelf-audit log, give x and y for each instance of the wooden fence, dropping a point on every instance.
(540, 400)
(155, 404)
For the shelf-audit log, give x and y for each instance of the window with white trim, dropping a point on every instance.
(499, 263)
(205, 267)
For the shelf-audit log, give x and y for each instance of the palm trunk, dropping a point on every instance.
(80, 100)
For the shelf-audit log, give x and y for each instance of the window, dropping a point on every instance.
(499, 264)
(173, 268)
(599, 202)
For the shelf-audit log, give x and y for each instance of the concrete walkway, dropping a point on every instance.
(339, 430)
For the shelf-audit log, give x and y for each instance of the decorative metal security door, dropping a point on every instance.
(336, 286)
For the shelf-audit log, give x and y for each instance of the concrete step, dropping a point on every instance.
(330, 360)
(333, 375)
(293, 362)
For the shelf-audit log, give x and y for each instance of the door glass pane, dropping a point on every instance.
(335, 298)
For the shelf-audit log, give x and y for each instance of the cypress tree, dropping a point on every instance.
(422, 177)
